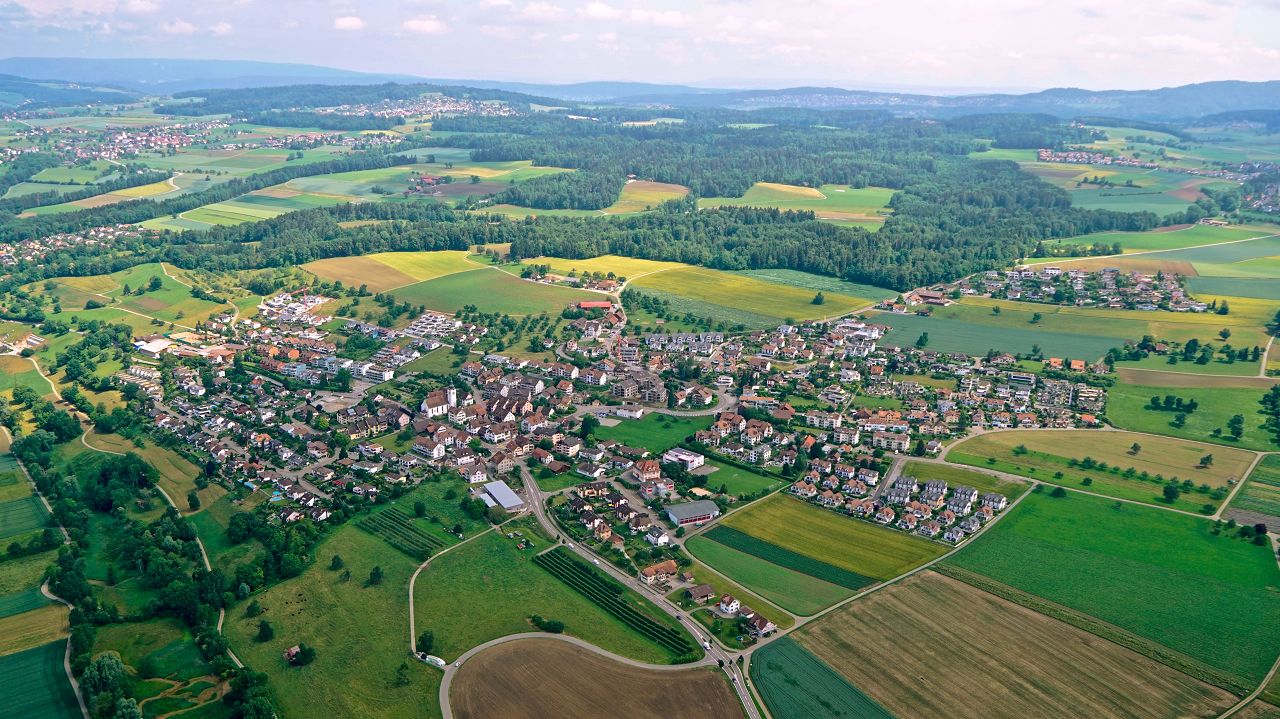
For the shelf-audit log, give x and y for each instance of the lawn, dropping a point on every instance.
(1127, 408)
(36, 685)
(1160, 575)
(1049, 452)
(851, 544)
(1261, 492)
(959, 477)
(737, 481)
(360, 633)
(798, 593)
(655, 432)
(795, 683)
(466, 598)
(491, 291)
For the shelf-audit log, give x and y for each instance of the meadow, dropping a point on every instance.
(172, 302)
(211, 524)
(36, 684)
(795, 592)
(464, 597)
(1167, 238)
(491, 291)
(655, 432)
(931, 645)
(1047, 455)
(1163, 576)
(795, 683)
(251, 207)
(1127, 409)
(1261, 493)
(389, 270)
(828, 202)
(21, 372)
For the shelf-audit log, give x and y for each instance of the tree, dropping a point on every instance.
(375, 576)
(253, 610)
(336, 563)
(1036, 317)
(1135, 448)
(1171, 493)
(995, 309)
(1235, 426)
(1058, 492)
(1206, 461)
(819, 299)
(1224, 333)
(426, 641)
(265, 631)
(193, 500)
(589, 424)
(419, 508)
(304, 656)
(155, 284)
(127, 708)
(104, 675)
(923, 340)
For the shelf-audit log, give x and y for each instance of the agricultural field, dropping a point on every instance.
(643, 195)
(1238, 257)
(740, 298)
(21, 372)
(33, 628)
(866, 206)
(1166, 238)
(491, 291)
(636, 196)
(251, 207)
(932, 645)
(420, 538)
(800, 594)
(819, 283)
(795, 683)
(172, 302)
(463, 596)
(353, 673)
(1259, 499)
(20, 516)
(1218, 401)
(629, 267)
(1055, 456)
(655, 432)
(548, 679)
(155, 190)
(36, 684)
(957, 476)
(705, 575)
(1165, 577)
(20, 575)
(389, 270)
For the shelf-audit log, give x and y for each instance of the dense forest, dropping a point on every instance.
(133, 176)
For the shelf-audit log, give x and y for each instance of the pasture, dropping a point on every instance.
(166, 645)
(795, 683)
(850, 544)
(1127, 409)
(655, 432)
(354, 671)
(1259, 499)
(827, 202)
(36, 684)
(388, 270)
(491, 291)
(932, 645)
(1165, 577)
(1057, 457)
(1165, 238)
(548, 679)
(21, 372)
(464, 597)
(793, 591)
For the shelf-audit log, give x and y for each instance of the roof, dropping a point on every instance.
(692, 509)
(503, 495)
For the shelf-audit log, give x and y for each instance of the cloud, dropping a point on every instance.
(425, 25)
(542, 11)
(661, 18)
(348, 22)
(221, 28)
(571, 37)
(497, 3)
(178, 27)
(607, 38)
(599, 11)
(139, 7)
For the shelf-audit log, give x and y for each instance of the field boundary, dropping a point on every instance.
(767, 551)
(1146, 647)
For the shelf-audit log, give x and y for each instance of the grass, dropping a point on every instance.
(704, 575)
(854, 545)
(655, 432)
(795, 683)
(386, 270)
(20, 516)
(932, 646)
(491, 291)
(354, 669)
(620, 266)
(819, 283)
(466, 598)
(211, 526)
(798, 593)
(1261, 492)
(21, 372)
(1163, 239)
(738, 481)
(25, 573)
(1127, 408)
(959, 477)
(834, 202)
(1049, 452)
(33, 628)
(774, 554)
(1162, 576)
(643, 195)
(23, 601)
(165, 644)
(36, 684)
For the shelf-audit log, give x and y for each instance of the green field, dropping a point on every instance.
(959, 477)
(21, 372)
(1160, 575)
(1049, 456)
(36, 684)
(795, 683)
(19, 575)
(655, 432)
(1170, 239)
(828, 202)
(491, 291)
(1127, 409)
(465, 598)
(1254, 287)
(166, 644)
(704, 575)
(1261, 493)
(386, 270)
(819, 283)
(620, 266)
(19, 516)
(783, 557)
(798, 593)
(23, 601)
(211, 524)
(738, 481)
(171, 303)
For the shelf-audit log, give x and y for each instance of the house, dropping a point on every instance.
(680, 455)
(700, 594)
(660, 572)
(758, 626)
(657, 537)
(729, 605)
(696, 512)
(648, 470)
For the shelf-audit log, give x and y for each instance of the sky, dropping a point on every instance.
(903, 44)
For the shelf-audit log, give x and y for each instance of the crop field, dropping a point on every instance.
(704, 575)
(850, 544)
(1260, 495)
(932, 645)
(958, 477)
(238, 163)
(642, 195)
(549, 679)
(793, 591)
(738, 481)
(398, 529)
(819, 283)
(463, 596)
(252, 207)
(828, 202)
(354, 671)
(388, 270)
(1127, 409)
(36, 684)
(19, 516)
(1169, 238)
(23, 601)
(33, 628)
(1239, 258)
(153, 190)
(620, 266)
(709, 290)
(774, 554)
(491, 291)
(1162, 576)
(1049, 453)
(1262, 288)
(795, 683)
(655, 432)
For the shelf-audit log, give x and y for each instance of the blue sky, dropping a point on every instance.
(1096, 44)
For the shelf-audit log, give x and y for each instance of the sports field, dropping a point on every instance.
(1218, 402)
(933, 646)
(1260, 494)
(1160, 575)
(795, 683)
(828, 202)
(737, 481)
(36, 684)
(491, 291)
(387, 270)
(1056, 457)
(655, 432)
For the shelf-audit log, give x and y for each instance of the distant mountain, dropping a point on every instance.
(21, 92)
(587, 91)
(164, 77)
